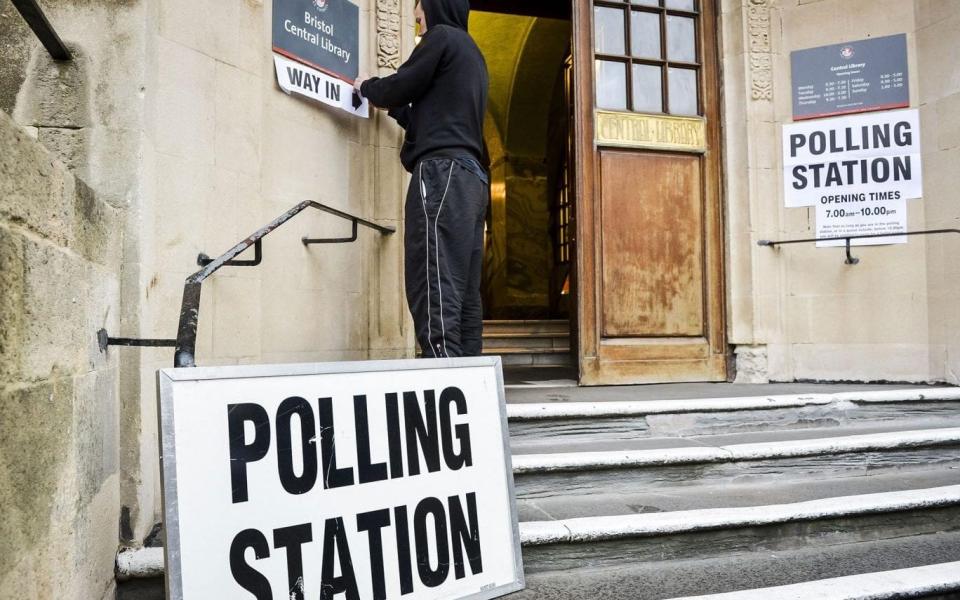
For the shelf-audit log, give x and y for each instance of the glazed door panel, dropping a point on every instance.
(649, 231)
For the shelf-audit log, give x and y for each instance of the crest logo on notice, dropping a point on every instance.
(321, 4)
(846, 51)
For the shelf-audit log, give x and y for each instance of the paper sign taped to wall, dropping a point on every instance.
(366, 480)
(874, 218)
(296, 78)
(835, 161)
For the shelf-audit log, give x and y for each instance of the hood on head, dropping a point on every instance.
(446, 12)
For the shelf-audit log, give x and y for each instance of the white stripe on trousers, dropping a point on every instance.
(426, 232)
(436, 239)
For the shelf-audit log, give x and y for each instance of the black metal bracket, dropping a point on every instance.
(307, 241)
(33, 15)
(186, 341)
(204, 260)
(104, 340)
(851, 259)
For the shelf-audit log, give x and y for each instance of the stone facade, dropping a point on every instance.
(168, 137)
(60, 430)
(177, 123)
(888, 318)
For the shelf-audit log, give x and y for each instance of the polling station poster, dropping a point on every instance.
(857, 171)
(355, 480)
(317, 51)
(854, 159)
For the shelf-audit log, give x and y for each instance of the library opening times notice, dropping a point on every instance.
(848, 78)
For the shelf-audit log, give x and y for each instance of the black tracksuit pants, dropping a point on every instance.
(443, 242)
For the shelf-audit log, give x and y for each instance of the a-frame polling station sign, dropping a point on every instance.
(354, 480)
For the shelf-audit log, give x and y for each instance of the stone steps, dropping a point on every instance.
(504, 327)
(530, 343)
(925, 580)
(612, 546)
(665, 499)
(561, 424)
(753, 574)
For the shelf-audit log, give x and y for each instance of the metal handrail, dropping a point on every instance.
(852, 260)
(33, 15)
(186, 341)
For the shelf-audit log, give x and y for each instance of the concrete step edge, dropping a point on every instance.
(141, 563)
(565, 410)
(609, 459)
(496, 335)
(901, 583)
(595, 529)
(525, 322)
(527, 350)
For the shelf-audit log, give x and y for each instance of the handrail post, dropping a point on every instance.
(185, 355)
(33, 15)
(851, 260)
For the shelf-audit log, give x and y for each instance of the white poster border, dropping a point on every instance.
(168, 457)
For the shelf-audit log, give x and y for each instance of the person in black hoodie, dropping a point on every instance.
(439, 97)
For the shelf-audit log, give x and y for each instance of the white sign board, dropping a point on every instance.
(854, 160)
(364, 480)
(873, 218)
(297, 78)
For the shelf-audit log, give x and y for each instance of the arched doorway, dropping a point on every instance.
(526, 283)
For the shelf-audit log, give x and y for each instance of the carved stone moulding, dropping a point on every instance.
(761, 63)
(388, 33)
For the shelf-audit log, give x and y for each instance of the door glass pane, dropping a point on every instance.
(609, 30)
(683, 91)
(681, 5)
(645, 34)
(611, 85)
(647, 2)
(647, 89)
(681, 39)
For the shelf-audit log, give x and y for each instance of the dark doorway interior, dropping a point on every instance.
(527, 288)
(528, 237)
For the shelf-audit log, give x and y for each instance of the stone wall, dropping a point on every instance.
(224, 152)
(937, 35)
(799, 311)
(59, 417)
(175, 118)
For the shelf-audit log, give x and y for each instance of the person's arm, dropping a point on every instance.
(401, 115)
(411, 79)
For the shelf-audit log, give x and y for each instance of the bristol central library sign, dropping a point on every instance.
(317, 51)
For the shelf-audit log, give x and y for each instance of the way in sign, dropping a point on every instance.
(312, 83)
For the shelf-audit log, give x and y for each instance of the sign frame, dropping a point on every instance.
(807, 71)
(168, 458)
(277, 45)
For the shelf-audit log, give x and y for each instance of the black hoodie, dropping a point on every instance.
(440, 94)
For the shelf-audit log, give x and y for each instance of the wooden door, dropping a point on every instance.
(649, 226)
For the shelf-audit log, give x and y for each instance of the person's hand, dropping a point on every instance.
(359, 82)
